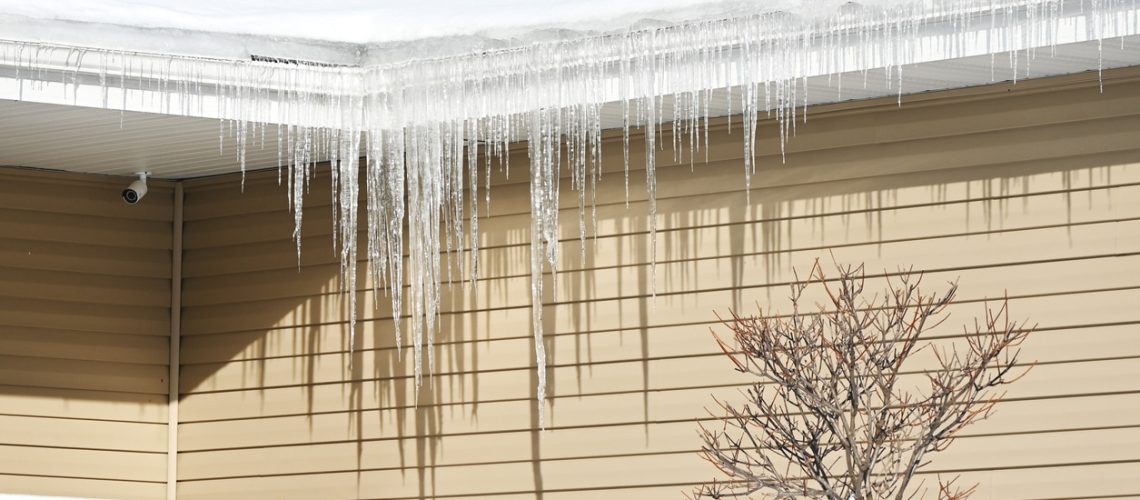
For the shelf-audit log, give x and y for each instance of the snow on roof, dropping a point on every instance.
(373, 22)
(369, 32)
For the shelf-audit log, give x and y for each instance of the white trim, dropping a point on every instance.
(175, 344)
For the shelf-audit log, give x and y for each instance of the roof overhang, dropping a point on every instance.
(171, 102)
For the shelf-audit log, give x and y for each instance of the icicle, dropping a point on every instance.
(425, 122)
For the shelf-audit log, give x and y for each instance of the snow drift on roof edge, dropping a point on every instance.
(358, 32)
(377, 22)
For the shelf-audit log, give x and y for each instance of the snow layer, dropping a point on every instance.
(372, 21)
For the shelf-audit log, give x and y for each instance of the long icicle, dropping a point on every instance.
(424, 122)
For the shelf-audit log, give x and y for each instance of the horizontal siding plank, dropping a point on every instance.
(259, 193)
(80, 345)
(1074, 481)
(555, 449)
(59, 315)
(997, 452)
(584, 476)
(82, 434)
(1053, 483)
(625, 492)
(83, 374)
(81, 404)
(84, 229)
(86, 259)
(82, 488)
(1080, 481)
(464, 439)
(82, 464)
(631, 414)
(84, 288)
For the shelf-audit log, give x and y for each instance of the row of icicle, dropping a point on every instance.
(432, 131)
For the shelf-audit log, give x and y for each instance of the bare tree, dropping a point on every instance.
(853, 398)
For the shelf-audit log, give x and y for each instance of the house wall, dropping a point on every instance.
(1030, 191)
(84, 328)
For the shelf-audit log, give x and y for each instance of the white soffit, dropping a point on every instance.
(56, 125)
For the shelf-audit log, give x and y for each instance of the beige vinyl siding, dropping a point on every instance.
(1029, 191)
(84, 336)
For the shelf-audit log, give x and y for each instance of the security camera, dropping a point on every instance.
(136, 190)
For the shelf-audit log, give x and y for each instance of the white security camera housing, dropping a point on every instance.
(136, 190)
